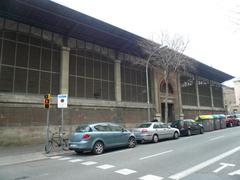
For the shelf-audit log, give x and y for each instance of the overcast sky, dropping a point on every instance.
(209, 25)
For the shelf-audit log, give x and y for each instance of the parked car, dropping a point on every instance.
(153, 131)
(188, 127)
(100, 136)
(232, 120)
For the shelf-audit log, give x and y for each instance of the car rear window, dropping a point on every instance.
(145, 125)
(83, 128)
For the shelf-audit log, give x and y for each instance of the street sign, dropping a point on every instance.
(62, 100)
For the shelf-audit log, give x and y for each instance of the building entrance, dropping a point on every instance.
(170, 112)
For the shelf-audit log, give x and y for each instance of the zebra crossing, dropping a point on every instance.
(124, 171)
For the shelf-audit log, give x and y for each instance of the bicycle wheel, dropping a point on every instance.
(56, 145)
(48, 147)
(65, 144)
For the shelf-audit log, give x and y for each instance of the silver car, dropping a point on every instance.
(99, 136)
(153, 131)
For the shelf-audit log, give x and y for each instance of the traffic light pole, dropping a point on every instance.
(47, 129)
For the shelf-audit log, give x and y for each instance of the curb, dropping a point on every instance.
(23, 158)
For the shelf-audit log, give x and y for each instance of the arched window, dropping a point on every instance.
(163, 87)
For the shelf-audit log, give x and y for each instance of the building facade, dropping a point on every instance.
(47, 48)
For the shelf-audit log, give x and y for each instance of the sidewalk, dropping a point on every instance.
(20, 154)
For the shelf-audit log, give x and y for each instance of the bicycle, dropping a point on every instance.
(57, 142)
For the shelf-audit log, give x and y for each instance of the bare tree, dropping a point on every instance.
(167, 56)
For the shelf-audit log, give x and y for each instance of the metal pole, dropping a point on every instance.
(62, 131)
(47, 130)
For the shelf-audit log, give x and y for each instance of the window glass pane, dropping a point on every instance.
(45, 83)
(72, 65)
(105, 71)
(20, 80)
(111, 72)
(89, 68)
(10, 35)
(134, 78)
(6, 79)
(22, 55)
(134, 94)
(55, 83)
(97, 69)
(8, 52)
(35, 41)
(89, 87)
(97, 89)
(56, 61)
(34, 61)
(105, 90)
(46, 60)
(23, 38)
(80, 87)
(80, 66)
(72, 86)
(111, 91)
(33, 82)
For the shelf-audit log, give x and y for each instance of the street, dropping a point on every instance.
(211, 156)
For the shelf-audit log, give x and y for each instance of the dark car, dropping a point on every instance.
(188, 127)
(232, 120)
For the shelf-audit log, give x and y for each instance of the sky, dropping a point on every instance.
(210, 26)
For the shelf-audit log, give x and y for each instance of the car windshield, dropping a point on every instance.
(145, 125)
(83, 128)
(175, 123)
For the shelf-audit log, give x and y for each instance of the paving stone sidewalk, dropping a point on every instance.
(19, 154)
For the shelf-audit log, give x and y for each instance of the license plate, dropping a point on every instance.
(73, 145)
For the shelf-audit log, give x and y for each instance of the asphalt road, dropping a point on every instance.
(211, 156)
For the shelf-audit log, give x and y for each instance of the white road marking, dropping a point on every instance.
(165, 152)
(125, 171)
(65, 158)
(216, 138)
(151, 177)
(76, 160)
(88, 163)
(203, 164)
(105, 166)
(55, 157)
(114, 152)
(223, 165)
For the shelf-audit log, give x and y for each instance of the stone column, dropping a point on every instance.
(211, 94)
(197, 91)
(181, 115)
(64, 70)
(117, 78)
(156, 95)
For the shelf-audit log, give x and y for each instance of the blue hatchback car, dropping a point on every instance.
(100, 136)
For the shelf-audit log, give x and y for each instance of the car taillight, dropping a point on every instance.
(86, 136)
(144, 130)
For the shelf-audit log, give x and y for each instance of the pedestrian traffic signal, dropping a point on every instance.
(47, 100)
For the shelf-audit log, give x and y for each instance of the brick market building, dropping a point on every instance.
(48, 48)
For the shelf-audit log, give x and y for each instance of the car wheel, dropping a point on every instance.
(131, 142)
(189, 132)
(201, 131)
(155, 138)
(175, 135)
(98, 148)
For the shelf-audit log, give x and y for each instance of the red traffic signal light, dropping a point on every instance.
(46, 101)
